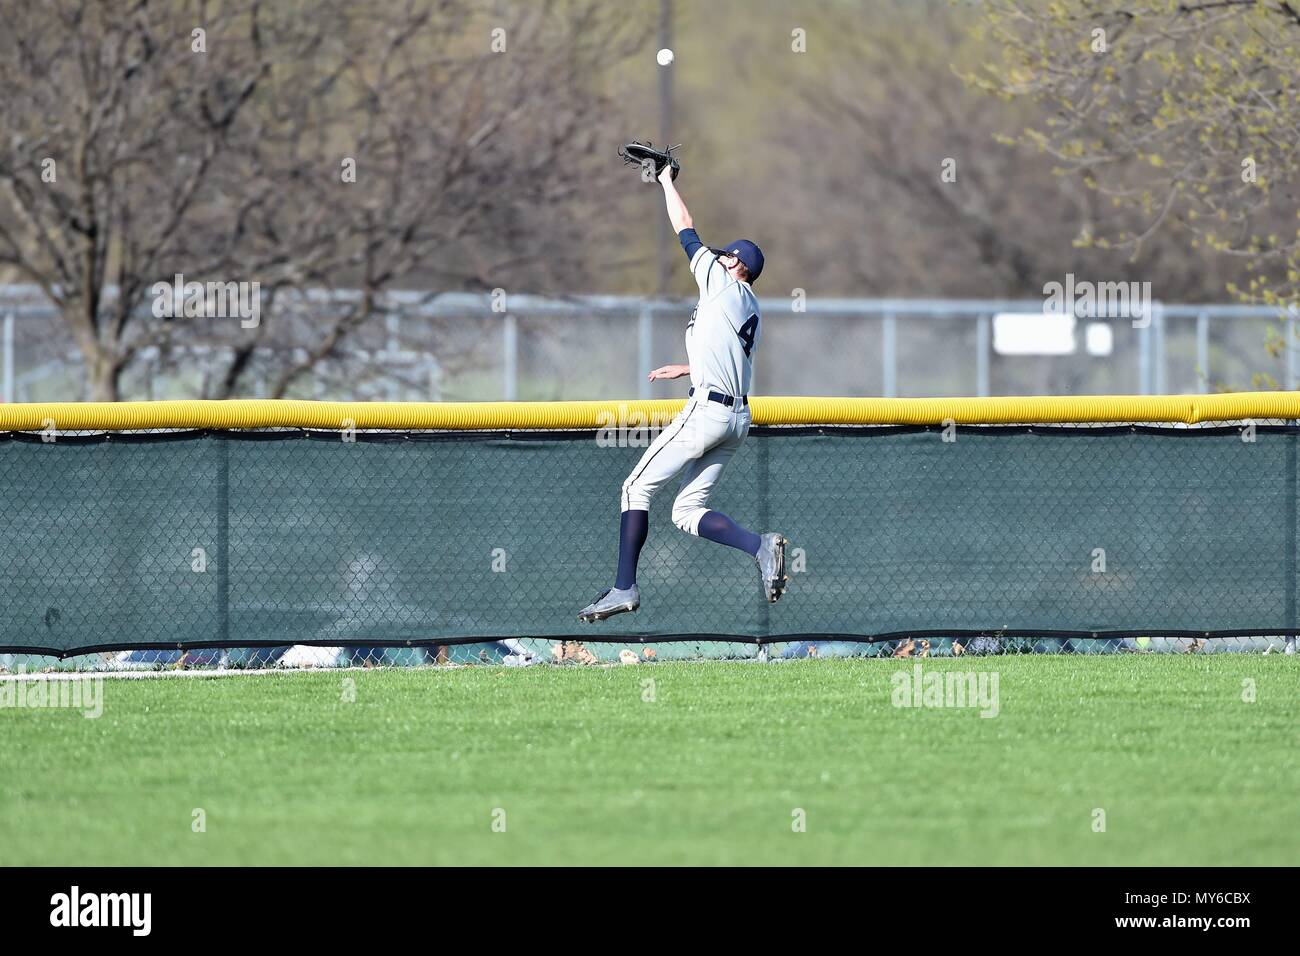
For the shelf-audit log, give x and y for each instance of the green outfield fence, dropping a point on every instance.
(254, 525)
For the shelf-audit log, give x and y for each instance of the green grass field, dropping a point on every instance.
(711, 771)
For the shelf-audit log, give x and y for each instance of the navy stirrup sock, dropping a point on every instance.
(716, 526)
(632, 530)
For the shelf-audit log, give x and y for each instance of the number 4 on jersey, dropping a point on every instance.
(747, 333)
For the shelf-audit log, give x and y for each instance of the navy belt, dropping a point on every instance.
(728, 400)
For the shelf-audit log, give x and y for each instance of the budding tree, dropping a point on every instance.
(1185, 114)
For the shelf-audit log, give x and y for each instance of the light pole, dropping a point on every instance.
(665, 132)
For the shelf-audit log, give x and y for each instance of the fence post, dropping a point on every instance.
(1290, 349)
(764, 465)
(223, 539)
(8, 373)
(1158, 348)
(982, 349)
(889, 355)
(644, 346)
(1290, 576)
(510, 356)
(1144, 359)
(1203, 350)
(392, 345)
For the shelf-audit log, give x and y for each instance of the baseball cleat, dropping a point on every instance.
(611, 601)
(771, 566)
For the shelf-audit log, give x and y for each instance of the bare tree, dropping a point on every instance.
(307, 147)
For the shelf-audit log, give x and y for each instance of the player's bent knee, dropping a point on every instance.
(687, 517)
(634, 497)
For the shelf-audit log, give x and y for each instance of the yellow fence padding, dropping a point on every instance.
(268, 413)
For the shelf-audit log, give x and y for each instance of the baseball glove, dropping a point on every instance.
(652, 161)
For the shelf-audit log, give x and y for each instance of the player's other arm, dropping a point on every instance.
(669, 371)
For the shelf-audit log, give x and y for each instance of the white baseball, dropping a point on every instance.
(664, 57)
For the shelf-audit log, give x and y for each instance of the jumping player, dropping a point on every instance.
(720, 341)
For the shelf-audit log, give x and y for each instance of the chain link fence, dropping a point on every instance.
(292, 547)
(466, 347)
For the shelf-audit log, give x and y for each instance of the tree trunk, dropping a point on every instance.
(103, 373)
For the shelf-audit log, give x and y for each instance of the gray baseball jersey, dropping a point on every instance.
(723, 332)
(720, 341)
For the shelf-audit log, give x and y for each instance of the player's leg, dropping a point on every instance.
(690, 513)
(666, 456)
(675, 446)
(692, 516)
(633, 527)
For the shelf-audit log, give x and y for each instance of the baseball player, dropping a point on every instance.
(720, 341)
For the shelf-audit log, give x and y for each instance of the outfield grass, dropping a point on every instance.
(710, 771)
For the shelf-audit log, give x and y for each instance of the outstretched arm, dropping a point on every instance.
(678, 214)
(680, 217)
(705, 267)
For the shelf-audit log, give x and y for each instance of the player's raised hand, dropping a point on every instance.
(666, 175)
(669, 371)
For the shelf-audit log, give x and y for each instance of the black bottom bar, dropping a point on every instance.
(1223, 907)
